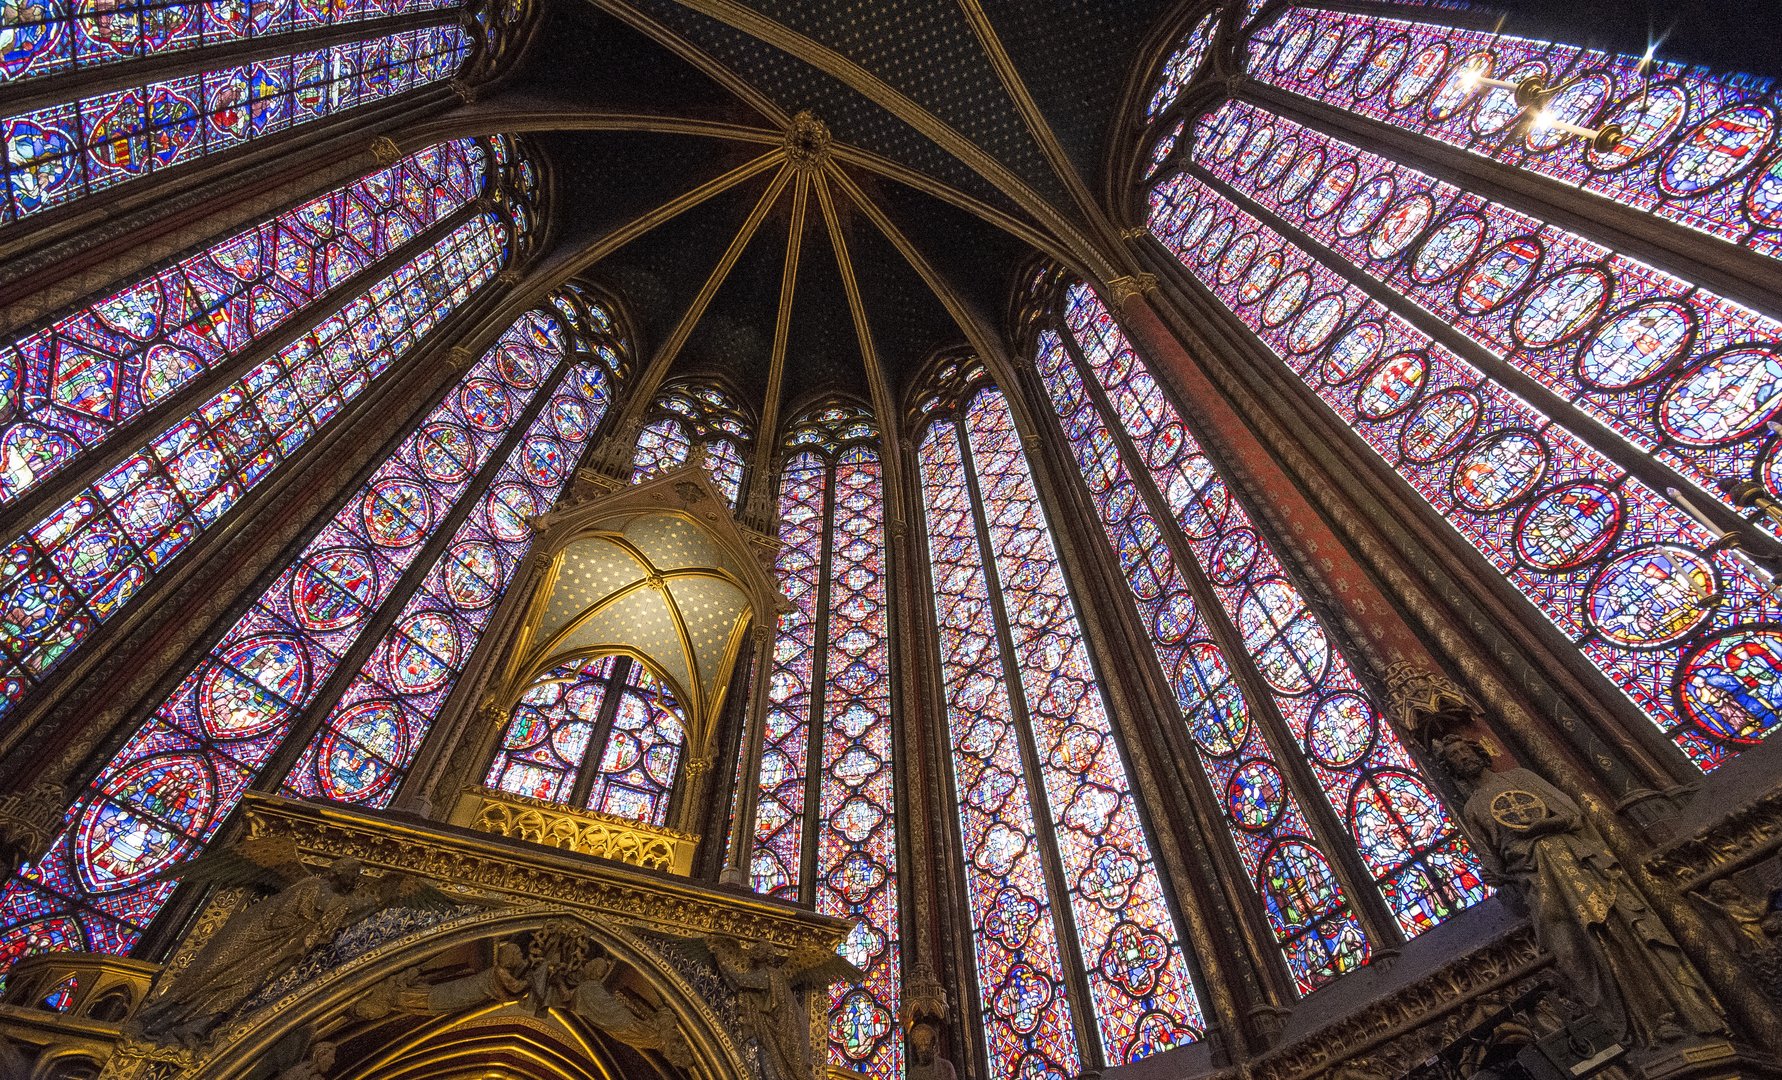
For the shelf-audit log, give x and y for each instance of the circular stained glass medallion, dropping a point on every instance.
(1341, 730)
(1333, 186)
(1637, 344)
(142, 821)
(1401, 225)
(1726, 397)
(1718, 150)
(1648, 118)
(1568, 525)
(396, 512)
(1558, 308)
(445, 452)
(423, 653)
(1366, 205)
(1499, 469)
(1419, 74)
(1440, 425)
(252, 687)
(1261, 278)
(1392, 387)
(1382, 66)
(1255, 795)
(1651, 596)
(357, 749)
(1285, 300)
(1731, 684)
(1447, 248)
(1351, 353)
(1499, 274)
(333, 588)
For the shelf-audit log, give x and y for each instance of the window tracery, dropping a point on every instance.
(166, 791)
(1407, 840)
(58, 154)
(695, 413)
(1686, 628)
(1697, 148)
(1676, 370)
(827, 740)
(81, 562)
(50, 37)
(1052, 837)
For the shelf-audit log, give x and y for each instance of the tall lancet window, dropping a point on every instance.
(1063, 886)
(825, 827)
(1302, 730)
(185, 80)
(265, 680)
(1580, 418)
(1693, 147)
(108, 385)
(696, 413)
(604, 734)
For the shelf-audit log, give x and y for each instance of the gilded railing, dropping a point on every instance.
(584, 832)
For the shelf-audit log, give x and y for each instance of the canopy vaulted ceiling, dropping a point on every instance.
(967, 135)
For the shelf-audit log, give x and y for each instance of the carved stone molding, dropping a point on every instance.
(584, 832)
(385, 151)
(529, 872)
(1398, 1031)
(1741, 838)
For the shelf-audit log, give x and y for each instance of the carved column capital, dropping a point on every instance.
(385, 151)
(1131, 286)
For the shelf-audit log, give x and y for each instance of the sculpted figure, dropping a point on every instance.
(257, 944)
(502, 981)
(925, 1061)
(301, 909)
(632, 1023)
(767, 982)
(314, 1066)
(1617, 958)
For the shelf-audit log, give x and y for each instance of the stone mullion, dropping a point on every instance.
(380, 621)
(63, 240)
(124, 440)
(1429, 587)
(589, 768)
(1416, 578)
(1327, 828)
(450, 729)
(1593, 432)
(39, 93)
(947, 892)
(1725, 267)
(1246, 984)
(417, 375)
(818, 695)
(1655, 755)
(1076, 980)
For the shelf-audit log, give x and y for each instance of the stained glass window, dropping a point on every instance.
(1676, 370)
(1184, 63)
(82, 562)
(371, 736)
(831, 668)
(74, 382)
(614, 705)
(696, 413)
(60, 153)
(1684, 629)
(1019, 688)
(49, 37)
(1405, 836)
(170, 787)
(1697, 148)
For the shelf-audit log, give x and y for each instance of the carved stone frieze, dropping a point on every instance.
(1745, 836)
(1396, 1032)
(525, 871)
(585, 832)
